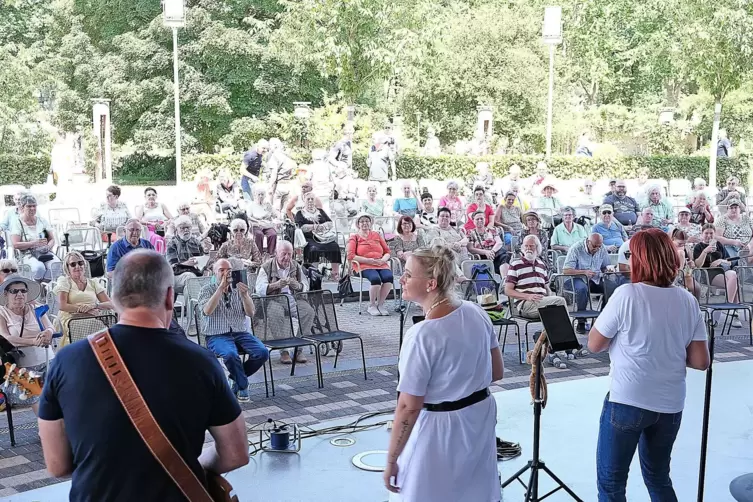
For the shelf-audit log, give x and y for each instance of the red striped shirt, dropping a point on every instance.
(528, 277)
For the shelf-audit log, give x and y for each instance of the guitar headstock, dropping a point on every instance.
(26, 383)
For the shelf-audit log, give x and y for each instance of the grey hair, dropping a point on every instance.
(237, 223)
(182, 220)
(262, 143)
(141, 278)
(568, 209)
(8, 263)
(452, 184)
(275, 144)
(535, 238)
(654, 187)
(27, 199)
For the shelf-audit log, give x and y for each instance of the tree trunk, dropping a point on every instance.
(714, 139)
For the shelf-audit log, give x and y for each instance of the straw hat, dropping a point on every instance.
(32, 286)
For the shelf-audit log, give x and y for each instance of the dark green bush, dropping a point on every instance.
(162, 168)
(24, 170)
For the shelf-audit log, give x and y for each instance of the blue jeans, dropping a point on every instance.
(622, 428)
(377, 277)
(582, 291)
(247, 187)
(226, 346)
(508, 238)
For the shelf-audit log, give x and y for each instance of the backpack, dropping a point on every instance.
(484, 278)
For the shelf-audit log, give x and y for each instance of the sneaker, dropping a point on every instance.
(570, 356)
(243, 396)
(285, 358)
(383, 310)
(373, 311)
(581, 328)
(300, 358)
(736, 322)
(556, 362)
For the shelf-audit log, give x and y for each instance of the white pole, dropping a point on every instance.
(178, 163)
(712, 147)
(550, 103)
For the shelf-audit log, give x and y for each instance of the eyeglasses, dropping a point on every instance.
(184, 209)
(75, 264)
(15, 291)
(236, 230)
(184, 229)
(9, 270)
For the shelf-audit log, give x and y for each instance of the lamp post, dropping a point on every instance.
(552, 36)
(174, 16)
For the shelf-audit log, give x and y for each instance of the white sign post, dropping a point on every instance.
(552, 36)
(174, 16)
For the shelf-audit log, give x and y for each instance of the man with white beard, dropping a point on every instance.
(527, 285)
(183, 251)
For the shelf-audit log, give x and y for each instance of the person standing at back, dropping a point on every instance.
(653, 331)
(86, 432)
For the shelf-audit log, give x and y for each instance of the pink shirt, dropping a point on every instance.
(455, 205)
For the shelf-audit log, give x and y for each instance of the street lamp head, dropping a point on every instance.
(174, 13)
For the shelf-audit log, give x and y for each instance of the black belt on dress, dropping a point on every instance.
(474, 398)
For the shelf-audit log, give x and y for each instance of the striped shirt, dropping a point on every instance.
(228, 317)
(528, 277)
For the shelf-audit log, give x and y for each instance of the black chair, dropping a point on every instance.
(611, 281)
(324, 329)
(565, 287)
(81, 327)
(202, 339)
(277, 333)
(469, 292)
(715, 298)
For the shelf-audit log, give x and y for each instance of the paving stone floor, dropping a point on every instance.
(345, 393)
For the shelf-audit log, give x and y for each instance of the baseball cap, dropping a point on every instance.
(606, 207)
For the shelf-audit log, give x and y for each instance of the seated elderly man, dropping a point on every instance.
(625, 207)
(527, 281)
(568, 232)
(183, 251)
(130, 241)
(647, 219)
(590, 258)
(282, 275)
(223, 321)
(613, 233)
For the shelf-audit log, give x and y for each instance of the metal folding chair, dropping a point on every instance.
(278, 333)
(565, 287)
(202, 339)
(715, 298)
(324, 329)
(81, 327)
(469, 291)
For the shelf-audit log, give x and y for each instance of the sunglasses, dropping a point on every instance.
(236, 230)
(184, 209)
(606, 212)
(15, 291)
(75, 264)
(9, 270)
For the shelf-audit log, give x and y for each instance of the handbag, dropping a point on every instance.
(218, 489)
(325, 236)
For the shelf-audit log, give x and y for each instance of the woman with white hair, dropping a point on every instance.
(407, 205)
(663, 212)
(453, 202)
(700, 210)
(7, 267)
(263, 218)
(34, 238)
(241, 245)
(372, 206)
(319, 231)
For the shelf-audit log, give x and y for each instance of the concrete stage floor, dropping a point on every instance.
(322, 472)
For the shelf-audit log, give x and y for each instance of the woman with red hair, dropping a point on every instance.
(653, 331)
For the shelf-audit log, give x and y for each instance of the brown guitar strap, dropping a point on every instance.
(142, 419)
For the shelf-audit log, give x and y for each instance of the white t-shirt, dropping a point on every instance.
(650, 328)
(621, 258)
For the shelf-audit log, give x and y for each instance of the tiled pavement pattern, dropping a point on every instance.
(345, 393)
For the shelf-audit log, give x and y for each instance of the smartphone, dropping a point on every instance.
(712, 243)
(237, 276)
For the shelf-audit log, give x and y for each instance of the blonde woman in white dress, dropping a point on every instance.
(443, 443)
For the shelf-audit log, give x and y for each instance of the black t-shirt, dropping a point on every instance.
(183, 385)
(252, 162)
(719, 254)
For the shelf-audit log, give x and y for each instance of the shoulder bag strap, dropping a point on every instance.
(142, 419)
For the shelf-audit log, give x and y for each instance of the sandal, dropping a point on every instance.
(556, 362)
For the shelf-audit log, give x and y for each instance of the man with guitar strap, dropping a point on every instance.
(126, 411)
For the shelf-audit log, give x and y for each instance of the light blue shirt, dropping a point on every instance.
(578, 258)
(614, 234)
(406, 207)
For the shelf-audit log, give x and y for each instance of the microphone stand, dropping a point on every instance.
(706, 411)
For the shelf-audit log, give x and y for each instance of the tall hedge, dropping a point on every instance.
(162, 168)
(24, 170)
